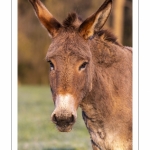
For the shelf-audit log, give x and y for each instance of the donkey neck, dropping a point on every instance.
(110, 96)
(110, 63)
(95, 104)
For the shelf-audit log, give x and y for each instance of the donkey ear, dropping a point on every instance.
(96, 21)
(45, 17)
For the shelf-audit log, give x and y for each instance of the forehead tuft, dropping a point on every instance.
(73, 20)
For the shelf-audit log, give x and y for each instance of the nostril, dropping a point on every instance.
(63, 119)
(54, 119)
(72, 119)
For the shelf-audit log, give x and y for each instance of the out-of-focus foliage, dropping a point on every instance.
(33, 40)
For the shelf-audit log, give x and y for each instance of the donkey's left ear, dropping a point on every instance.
(96, 21)
(45, 17)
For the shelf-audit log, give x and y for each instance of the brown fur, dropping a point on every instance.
(95, 73)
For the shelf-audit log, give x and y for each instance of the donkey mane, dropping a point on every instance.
(73, 21)
(108, 36)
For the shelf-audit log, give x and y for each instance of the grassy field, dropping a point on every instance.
(35, 129)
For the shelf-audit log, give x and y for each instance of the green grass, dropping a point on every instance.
(35, 129)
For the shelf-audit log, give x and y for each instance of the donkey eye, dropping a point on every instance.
(83, 66)
(51, 65)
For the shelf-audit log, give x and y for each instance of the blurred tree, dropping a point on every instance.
(121, 21)
(127, 35)
(118, 20)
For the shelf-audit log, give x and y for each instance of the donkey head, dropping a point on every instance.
(70, 60)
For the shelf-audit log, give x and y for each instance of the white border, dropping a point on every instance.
(14, 74)
(5, 75)
(144, 74)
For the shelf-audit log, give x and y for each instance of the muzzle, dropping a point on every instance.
(65, 114)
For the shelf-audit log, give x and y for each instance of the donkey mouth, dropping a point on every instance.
(64, 128)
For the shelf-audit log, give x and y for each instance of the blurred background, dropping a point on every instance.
(35, 130)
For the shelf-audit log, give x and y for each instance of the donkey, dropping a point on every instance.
(91, 70)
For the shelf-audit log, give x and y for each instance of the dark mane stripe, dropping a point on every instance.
(108, 36)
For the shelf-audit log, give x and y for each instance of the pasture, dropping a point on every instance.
(35, 129)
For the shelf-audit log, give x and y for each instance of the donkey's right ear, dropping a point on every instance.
(45, 17)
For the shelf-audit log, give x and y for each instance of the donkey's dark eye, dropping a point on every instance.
(51, 65)
(83, 66)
